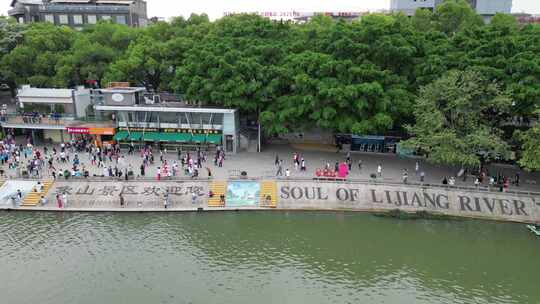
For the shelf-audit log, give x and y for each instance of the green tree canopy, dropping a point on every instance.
(530, 140)
(457, 119)
(34, 60)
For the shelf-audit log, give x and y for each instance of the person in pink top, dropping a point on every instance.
(58, 201)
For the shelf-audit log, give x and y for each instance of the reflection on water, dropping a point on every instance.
(263, 258)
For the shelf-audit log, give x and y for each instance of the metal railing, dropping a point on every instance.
(35, 119)
(50, 119)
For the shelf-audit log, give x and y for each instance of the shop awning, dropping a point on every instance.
(134, 136)
(214, 139)
(198, 138)
(152, 136)
(176, 137)
(121, 135)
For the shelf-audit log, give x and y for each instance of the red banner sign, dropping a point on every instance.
(78, 130)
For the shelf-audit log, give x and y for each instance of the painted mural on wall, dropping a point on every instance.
(9, 190)
(243, 194)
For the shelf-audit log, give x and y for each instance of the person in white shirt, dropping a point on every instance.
(43, 200)
(65, 200)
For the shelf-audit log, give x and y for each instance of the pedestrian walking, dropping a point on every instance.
(58, 201)
(65, 200)
(360, 165)
(417, 168)
(121, 197)
(379, 170)
(280, 169)
(166, 199)
(287, 173)
(422, 176)
(303, 165)
(405, 176)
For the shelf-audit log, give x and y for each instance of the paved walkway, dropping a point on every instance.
(262, 165)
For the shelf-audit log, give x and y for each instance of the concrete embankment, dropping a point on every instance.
(188, 195)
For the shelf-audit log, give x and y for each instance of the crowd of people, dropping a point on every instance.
(66, 161)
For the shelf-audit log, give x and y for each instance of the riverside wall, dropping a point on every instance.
(377, 197)
(302, 195)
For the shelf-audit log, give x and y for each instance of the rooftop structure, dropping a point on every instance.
(166, 120)
(485, 8)
(77, 13)
(297, 16)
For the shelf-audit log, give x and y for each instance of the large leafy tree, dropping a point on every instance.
(34, 60)
(236, 65)
(93, 51)
(530, 149)
(11, 34)
(457, 119)
(146, 61)
(454, 15)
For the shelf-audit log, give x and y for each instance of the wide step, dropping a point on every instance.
(268, 194)
(32, 199)
(218, 188)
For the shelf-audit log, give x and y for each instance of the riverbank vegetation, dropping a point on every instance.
(461, 88)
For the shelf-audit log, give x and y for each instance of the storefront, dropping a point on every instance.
(170, 137)
(98, 135)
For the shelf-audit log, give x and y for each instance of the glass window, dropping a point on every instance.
(91, 19)
(217, 119)
(105, 17)
(77, 19)
(168, 118)
(63, 19)
(49, 18)
(121, 19)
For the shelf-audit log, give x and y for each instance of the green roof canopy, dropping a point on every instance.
(152, 136)
(135, 136)
(121, 135)
(176, 137)
(198, 138)
(214, 139)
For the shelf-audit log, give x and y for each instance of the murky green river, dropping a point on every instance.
(263, 258)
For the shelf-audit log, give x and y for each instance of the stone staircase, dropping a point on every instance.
(218, 188)
(32, 198)
(268, 194)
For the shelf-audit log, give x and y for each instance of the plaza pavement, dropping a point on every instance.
(262, 165)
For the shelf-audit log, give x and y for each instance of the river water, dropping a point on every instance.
(257, 257)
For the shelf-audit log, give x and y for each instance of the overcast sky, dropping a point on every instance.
(216, 8)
